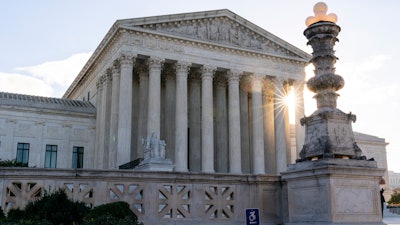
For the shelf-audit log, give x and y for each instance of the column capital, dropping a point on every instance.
(234, 75)
(182, 66)
(99, 83)
(256, 82)
(256, 77)
(268, 92)
(155, 62)
(126, 59)
(269, 83)
(107, 76)
(115, 69)
(208, 71)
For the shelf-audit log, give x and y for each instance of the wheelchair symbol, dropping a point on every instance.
(252, 216)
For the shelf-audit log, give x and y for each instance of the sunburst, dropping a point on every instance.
(289, 99)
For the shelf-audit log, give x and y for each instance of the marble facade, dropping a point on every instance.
(202, 82)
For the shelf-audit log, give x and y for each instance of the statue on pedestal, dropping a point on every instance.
(153, 147)
(154, 155)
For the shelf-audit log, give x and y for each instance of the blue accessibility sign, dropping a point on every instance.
(252, 217)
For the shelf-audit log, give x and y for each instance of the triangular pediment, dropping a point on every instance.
(221, 27)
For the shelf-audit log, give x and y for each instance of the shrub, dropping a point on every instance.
(12, 163)
(117, 213)
(57, 209)
(2, 216)
(394, 199)
(54, 208)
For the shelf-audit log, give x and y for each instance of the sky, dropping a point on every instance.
(45, 43)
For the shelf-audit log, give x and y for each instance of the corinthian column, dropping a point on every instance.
(281, 132)
(125, 110)
(258, 125)
(235, 157)
(269, 127)
(207, 129)
(194, 117)
(114, 115)
(181, 117)
(143, 70)
(104, 121)
(154, 110)
(99, 144)
(220, 124)
(300, 131)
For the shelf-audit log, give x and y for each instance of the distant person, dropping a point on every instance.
(382, 200)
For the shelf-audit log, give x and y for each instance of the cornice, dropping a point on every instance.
(104, 45)
(211, 45)
(55, 112)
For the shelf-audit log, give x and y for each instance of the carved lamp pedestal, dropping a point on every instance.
(331, 183)
(328, 130)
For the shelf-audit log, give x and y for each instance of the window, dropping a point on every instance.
(77, 157)
(50, 160)
(23, 153)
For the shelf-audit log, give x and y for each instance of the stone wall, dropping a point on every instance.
(156, 197)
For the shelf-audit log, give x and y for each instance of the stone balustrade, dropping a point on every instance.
(155, 197)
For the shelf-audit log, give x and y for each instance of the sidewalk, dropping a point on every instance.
(390, 218)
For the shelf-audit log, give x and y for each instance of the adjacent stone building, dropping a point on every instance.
(47, 132)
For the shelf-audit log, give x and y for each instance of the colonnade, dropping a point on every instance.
(212, 119)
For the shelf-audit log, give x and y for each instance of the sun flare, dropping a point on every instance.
(290, 101)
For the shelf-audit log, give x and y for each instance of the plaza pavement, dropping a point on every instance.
(390, 218)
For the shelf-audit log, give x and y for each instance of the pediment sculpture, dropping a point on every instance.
(221, 30)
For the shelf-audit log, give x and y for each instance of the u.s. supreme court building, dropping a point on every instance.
(181, 116)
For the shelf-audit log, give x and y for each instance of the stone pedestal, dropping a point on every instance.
(155, 164)
(333, 191)
(329, 135)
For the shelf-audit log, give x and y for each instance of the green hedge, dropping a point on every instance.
(57, 209)
(12, 163)
(112, 213)
(395, 199)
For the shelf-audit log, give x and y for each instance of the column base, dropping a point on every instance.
(155, 164)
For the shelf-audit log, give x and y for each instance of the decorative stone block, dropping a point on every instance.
(333, 191)
(155, 164)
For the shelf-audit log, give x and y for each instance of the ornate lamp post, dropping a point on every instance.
(330, 183)
(329, 132)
